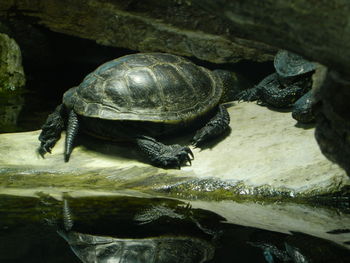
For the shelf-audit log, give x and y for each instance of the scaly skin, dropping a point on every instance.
(270, 91)
(51, 131)
(215, 127)
(159, 154)
(72, 131)
(164, 155)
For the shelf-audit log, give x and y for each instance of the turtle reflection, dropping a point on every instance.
(297, 248)
(95, 248)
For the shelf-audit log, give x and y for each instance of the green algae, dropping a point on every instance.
(165, 185)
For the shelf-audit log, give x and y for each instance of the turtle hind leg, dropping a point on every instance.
(215, 127)
(51, 130)
(166, 156)
(72, 131)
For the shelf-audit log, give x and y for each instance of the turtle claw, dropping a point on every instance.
(172, 156)
(42, 150)
(46, 147)
(189, 160)
(167, 156)
(188, 150)
(184, 155)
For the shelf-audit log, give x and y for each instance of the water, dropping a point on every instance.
(136, 229)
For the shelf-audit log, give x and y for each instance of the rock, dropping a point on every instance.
(12, 80)
(217, 31)
(170, 26)
(264, 156)
(316, 30)
(332, 115)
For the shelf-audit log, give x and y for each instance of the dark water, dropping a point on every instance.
(113, 229)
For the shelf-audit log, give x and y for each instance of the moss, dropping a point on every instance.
(163, 185)
(12, 81)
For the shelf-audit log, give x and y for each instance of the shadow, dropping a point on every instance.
(126, 148)
(230, 104)
(212, 143)
(118, 149)
(339, 231)
(305, 126)
(282, 110)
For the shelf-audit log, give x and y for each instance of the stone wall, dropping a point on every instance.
(12, 81)
(168, 26)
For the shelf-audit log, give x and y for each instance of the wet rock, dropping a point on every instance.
(265, 156)
(12, 80)
(170, 26)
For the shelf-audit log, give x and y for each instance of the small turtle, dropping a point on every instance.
(284, 87)
(140, 97)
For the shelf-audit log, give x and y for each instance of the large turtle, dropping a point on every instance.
(286, 86)
(140, 97)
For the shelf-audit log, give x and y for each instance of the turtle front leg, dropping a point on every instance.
(51, 130)
(215, 127)
(167, 156)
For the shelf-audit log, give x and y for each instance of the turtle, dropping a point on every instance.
(140, 98)
(281, 89)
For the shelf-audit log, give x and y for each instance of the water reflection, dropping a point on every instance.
(298, 248)
(170, 249)
(131, 229)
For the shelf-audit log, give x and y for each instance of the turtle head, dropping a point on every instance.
(231, 83)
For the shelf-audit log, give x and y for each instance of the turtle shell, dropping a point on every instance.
(288, 64)
(155, 87)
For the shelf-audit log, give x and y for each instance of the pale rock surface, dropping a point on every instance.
(264, 154)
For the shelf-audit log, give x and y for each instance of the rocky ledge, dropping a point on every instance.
(266, 155)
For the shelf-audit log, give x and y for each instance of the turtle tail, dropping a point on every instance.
(72, 131)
